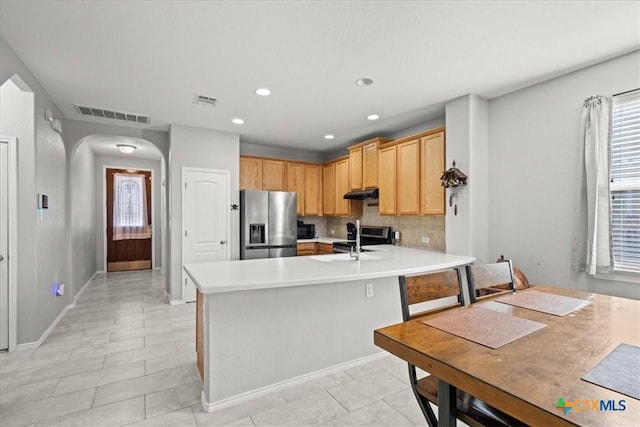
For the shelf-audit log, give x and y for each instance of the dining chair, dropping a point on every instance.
(489, 280)
(438, 291)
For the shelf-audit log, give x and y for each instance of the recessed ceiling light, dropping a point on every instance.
(238, 121)
(263, 91)
(329, 136)
(364, 81)
(126, 148)
(373, 117)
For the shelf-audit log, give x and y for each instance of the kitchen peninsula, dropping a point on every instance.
(267, 323)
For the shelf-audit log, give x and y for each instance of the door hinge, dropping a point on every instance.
(185, 185)
(185, 281)
(185, 233)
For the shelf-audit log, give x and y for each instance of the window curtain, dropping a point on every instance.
(592, 247)
(130, 207)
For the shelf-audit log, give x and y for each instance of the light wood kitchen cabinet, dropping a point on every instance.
(307, 248)
(343, 206)
(432, 157)
(325, 248)
(296, 183)
(250, 173)
(312, 190)
(387, 180)
(355, 166)
(257, 173)
(409, 173)
(273, 175)
(329, 189)
(408, 178)
(363, 164)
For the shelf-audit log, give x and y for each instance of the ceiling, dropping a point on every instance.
(152, 58)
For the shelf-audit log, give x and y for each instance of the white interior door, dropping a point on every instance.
(205, 220)
(4, 246)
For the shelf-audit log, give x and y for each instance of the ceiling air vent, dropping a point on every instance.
(115, 115)
(207, 100)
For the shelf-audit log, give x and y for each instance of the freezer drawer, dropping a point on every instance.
(256, 253)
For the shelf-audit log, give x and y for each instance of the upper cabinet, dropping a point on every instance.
(262, 174)
(336, 185)
(363, 164)
(409, 173)
(250, 173)
(306, 180)
(274, 175)
(432, 160)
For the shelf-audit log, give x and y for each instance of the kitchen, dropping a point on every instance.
(515, 144)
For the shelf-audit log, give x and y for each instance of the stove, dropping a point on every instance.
(369, 235)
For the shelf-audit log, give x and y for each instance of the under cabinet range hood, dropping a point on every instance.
(370, 193)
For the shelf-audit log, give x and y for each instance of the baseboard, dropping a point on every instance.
(172, 301)
(35, 344)
(249, 395)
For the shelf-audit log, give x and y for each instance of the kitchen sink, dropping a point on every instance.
(345, 257)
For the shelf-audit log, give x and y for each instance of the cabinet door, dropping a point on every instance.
(250, 173)
(408, 178)
(433, 164)
(329, 189)
(355, 165)
(342, 187)
(370, 165)
(273, 175)
(325, 248)
(312, 190)
(295, 182)
(387, 180)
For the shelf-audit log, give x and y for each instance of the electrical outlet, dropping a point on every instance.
(369, 290)
(425, 239)
(332, 232)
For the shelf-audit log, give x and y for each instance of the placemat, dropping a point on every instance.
(558, 305)
(619, 371)
(486, 327)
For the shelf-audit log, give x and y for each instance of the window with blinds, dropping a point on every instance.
(625, 182)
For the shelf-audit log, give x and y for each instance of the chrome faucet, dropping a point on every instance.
(356, 255)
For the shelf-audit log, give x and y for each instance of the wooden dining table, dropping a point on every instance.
(536, 377)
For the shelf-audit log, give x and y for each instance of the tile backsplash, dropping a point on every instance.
(412, 228)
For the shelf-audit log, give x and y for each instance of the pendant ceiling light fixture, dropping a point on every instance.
(126, 148)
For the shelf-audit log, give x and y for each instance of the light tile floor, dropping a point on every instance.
(124, 356)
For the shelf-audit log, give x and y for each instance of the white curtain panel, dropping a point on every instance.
(592, 251)
(130, 207)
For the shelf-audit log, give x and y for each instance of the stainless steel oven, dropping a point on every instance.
(369, 235)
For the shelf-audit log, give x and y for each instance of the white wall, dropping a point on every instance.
(467, 144)
(535, 171)
(98, 178)
(42, 246)
(199, 148)
(83, 216)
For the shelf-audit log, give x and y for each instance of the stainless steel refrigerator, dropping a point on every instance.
(268, 227)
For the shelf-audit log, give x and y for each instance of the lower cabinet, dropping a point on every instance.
(307, 248)
(325, 248)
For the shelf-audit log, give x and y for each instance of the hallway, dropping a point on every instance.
(123, 356)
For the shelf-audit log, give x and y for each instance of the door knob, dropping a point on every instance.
(1, 257)
(222, 242)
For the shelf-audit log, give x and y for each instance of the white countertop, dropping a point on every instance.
(232, 276)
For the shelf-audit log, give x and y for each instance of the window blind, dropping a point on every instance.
(625, 181)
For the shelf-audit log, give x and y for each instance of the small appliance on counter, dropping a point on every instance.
(369, 235)
(267, 224)
(351, 231)
(306, 231)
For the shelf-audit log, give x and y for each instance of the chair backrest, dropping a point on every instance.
(429, 287)
(489, 280)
